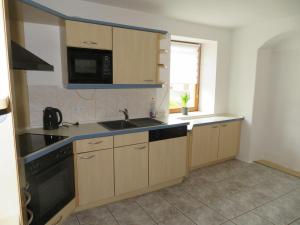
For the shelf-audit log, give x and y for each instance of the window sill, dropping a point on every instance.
(190, 114)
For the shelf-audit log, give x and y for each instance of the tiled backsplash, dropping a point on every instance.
(87, 106)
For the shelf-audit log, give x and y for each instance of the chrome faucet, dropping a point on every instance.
(125, 112)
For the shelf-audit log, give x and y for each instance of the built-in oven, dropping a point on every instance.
(89, 66)
(50, 184)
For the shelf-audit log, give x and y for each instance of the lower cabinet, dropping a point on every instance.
(95, 176)
(131, 168)
(167, 160)
(205, 145)
(214, 142)
(229, 140)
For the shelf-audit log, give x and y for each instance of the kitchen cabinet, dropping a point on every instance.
(131, 168)
(167, 160)
(205, 145)
(215, 142)
(93, 144)
(87, 35)
(135, 56)
(95, 176)
(130, 139)
(229, 140)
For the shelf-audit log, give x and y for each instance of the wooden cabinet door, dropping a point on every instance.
(205, 145)
(95, 176)
(87, 35)
(167, 160)
(131, 168)
(229, 141)
(135, 56)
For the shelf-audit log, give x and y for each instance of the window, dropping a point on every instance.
(185, 74)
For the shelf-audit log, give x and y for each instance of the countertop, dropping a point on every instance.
(93, 130)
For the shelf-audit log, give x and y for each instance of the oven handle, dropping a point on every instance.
(31, 216)
(87, 157)
(27, 197)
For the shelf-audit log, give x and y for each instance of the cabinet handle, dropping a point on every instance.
(224, 125)
(57, 222)
(215, 126)
(90, 42)
(140, 148)
(30, 216)
(95, 143)
(148, 80)
(87, 157)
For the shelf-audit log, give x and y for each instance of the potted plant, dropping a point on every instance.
(184, 100)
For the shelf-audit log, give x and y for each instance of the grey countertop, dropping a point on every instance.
(93, 130)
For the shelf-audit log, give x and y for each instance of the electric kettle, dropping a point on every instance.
(52, 118)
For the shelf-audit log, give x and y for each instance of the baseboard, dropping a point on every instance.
(279, 167)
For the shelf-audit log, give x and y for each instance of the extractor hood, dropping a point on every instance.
(23, 59)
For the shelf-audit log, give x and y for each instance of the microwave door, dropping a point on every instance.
(89, 66)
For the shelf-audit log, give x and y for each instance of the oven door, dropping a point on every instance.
(91, 66)
(51, 190)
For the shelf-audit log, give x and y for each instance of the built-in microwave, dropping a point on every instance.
(89, 66)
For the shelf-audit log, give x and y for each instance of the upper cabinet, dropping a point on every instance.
(135, 56)
(87, 35)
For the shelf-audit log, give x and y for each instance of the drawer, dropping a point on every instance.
(93, 144)
(62, 214)
(130, 139)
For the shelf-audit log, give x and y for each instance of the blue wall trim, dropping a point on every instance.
(111, 86)
(74, 18)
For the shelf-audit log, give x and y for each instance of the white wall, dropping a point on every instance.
(117, 15)
(9, 188)
(246, 42)
(276, 113)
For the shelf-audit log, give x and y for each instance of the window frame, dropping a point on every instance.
(197, 86)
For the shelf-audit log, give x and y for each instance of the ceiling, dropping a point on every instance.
(224, 13)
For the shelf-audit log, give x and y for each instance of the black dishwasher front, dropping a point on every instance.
(167, 133)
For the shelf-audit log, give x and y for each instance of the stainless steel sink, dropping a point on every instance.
(123, 124)
(117, 124)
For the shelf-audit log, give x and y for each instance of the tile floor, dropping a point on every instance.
(231, 193)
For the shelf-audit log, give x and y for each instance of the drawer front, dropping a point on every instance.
(130, 139)
(93, 144)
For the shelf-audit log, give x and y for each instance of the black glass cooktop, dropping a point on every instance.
(30, 143)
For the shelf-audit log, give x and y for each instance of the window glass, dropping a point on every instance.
(184, 73)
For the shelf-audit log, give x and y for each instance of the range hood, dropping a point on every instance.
(23, 59)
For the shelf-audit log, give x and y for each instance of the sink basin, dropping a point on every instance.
(122, 124)
(117, 125)
(146, 122)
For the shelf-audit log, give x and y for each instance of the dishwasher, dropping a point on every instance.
(167, 155)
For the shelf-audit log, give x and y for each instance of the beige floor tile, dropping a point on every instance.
(251, 219)
(282, 211)
(128, 212)
(181, 200)
(205, 216)
(158, 208)
(71, 220)
(228, 208)
(178, 220)
(96, 216)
